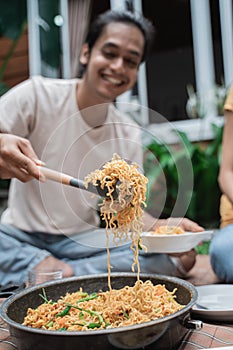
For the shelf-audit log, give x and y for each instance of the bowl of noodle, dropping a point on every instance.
(174, 240)
(131, 330)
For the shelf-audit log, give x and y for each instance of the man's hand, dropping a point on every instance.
(186, 260)
(184, 223)
(151, 223)
(18, 159)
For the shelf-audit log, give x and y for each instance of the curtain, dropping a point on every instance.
(79, 19)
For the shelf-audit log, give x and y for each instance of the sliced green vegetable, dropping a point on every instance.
(64, 312)
(125, 313)
(44, 296)
(79, 324)
(90, 312)
(94, 325)
(89, 297)
(81, 315)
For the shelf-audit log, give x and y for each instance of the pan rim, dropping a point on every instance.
(13, 324)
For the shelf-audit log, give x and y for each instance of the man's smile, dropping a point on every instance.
(115, 81)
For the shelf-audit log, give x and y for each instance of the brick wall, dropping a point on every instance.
(18, 66)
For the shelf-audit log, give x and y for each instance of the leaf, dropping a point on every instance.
(217, 140)
(186, 142)
(3, 88)
(203, 199)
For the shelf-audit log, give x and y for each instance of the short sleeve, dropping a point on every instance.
(17, 109)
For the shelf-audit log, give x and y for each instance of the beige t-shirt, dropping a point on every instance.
(45, 111)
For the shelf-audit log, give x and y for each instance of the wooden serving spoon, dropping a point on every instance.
(65, 179)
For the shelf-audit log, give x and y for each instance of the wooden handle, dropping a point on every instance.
(55, 175)
(71, 181)
(65, 179)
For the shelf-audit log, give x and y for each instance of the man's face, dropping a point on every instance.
(112, 64)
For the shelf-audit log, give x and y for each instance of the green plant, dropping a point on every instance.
(202, 200)
(203, 248)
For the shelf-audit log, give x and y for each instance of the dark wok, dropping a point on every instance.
(165, 333)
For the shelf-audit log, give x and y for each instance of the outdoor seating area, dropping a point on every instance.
(116, 171)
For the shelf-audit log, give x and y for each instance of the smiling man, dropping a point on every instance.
(112, 64)
(73, 127)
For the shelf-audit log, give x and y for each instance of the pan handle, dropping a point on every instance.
(10, 289)
(192, 324)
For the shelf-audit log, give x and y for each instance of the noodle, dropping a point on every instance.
(124, 216)
(168, 230)
(104, 310)
(140, 303)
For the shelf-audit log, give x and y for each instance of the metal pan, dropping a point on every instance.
(165, 333)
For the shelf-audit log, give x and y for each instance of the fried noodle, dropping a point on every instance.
(140, 303)
(123, 217)
(116, 308)
(168, 230)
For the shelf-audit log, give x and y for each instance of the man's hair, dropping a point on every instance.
(127, 17)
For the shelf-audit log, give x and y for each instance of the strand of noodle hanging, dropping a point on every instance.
(140, 303)
(123, 217)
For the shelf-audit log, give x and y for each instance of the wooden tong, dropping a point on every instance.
(65, 179)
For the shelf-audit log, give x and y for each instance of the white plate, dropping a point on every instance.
(218, 299)
(221, 348)
(177, 243)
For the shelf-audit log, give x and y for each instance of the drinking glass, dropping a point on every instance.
(43, 275)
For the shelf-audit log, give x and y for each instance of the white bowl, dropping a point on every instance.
(174, 243)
